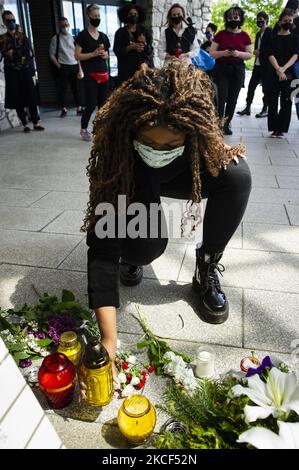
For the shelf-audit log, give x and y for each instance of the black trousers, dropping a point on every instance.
(68, 77)
(227, 197)
(23, 116)
(279, 120)
(95, 96)
(229, 78)
(258, 77)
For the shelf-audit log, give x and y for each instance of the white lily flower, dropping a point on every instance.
(279, 395)
(128, 391)
(122, 378)
(263, 438)
(131, 360)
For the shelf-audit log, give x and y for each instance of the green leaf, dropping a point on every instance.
(67, 296)
(18, 356)
(16, 347)
(142, 344)
(44, 342)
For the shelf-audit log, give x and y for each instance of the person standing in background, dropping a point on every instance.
(210, 32)
(62, 54)
(180, 40)
(282, 54)
(261, 66)
(294, 6)
(92, 50)
(132, 43)
(20, 89)
(230, 47)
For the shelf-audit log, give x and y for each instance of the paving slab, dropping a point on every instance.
(20, 197)
(35, 249)
(67, 222)
(267, 237)
(266, 213)
(26, 218)
(293, 213)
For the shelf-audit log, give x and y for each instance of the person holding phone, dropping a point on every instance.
(92, 50)
(230, 47)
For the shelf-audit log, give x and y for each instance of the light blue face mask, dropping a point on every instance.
(157, 158)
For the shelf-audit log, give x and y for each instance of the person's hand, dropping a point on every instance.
(104, 54)
(281, 75)
(226, 53)
(168, 56)
(235, 53)
(256, 53)
(58, 65)
(96, 52)
(136, 46)
(9, 53)
(80, 75)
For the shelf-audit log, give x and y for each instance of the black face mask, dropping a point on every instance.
(176, 19)
(287, 26)
(95, 22)
(133, 19)
(232, 24)
(11, 25)
(260, 23)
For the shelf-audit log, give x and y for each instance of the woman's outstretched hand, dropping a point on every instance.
(235, 158)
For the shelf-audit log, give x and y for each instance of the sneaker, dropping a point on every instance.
(130, 275)
(273, 135)
(279, 135)
(63, 113)
(38, 127)
(79, 112)
(27, 129)
(86, 136)
(213, 305)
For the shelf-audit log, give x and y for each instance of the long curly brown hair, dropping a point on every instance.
(178, 96)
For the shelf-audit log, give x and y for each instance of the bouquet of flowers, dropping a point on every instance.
(254, 408)
(31, 333)
(131, 376)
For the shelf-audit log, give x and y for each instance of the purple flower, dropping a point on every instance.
(262, 368)
(25, 363)
(58, 324)
(39, 335)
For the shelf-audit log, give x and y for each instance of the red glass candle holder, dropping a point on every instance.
(57, 380)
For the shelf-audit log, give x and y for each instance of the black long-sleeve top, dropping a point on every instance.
(104, 254)
(129, 62)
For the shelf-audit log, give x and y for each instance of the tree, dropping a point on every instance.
(253, 7)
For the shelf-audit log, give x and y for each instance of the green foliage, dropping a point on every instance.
(218, 9)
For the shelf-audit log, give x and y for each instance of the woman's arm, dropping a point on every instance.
(290, 62)
(218, 54)
(79, 56)
(194, 50)
(243, 55)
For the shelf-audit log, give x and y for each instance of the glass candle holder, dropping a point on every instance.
(205, 362)
(136, 419)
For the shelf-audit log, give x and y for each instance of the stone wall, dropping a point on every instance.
(198, 10)
(8, 117)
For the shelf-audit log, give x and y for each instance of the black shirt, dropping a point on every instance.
(283, 48)
(129, 62)
(89, 44)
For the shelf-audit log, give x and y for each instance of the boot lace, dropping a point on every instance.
(212, 279)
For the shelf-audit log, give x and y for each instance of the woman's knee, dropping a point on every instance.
(143, 251)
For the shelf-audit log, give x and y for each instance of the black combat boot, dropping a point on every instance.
(213, 305)
(263, 113)
(130, 275)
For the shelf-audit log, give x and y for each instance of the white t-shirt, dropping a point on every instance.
(162, 46)
(66, 49)
(257, 60)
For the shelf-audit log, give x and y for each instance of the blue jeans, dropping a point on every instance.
(296, 69)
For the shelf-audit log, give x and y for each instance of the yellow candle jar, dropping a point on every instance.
(70, 346)
(136, 419)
